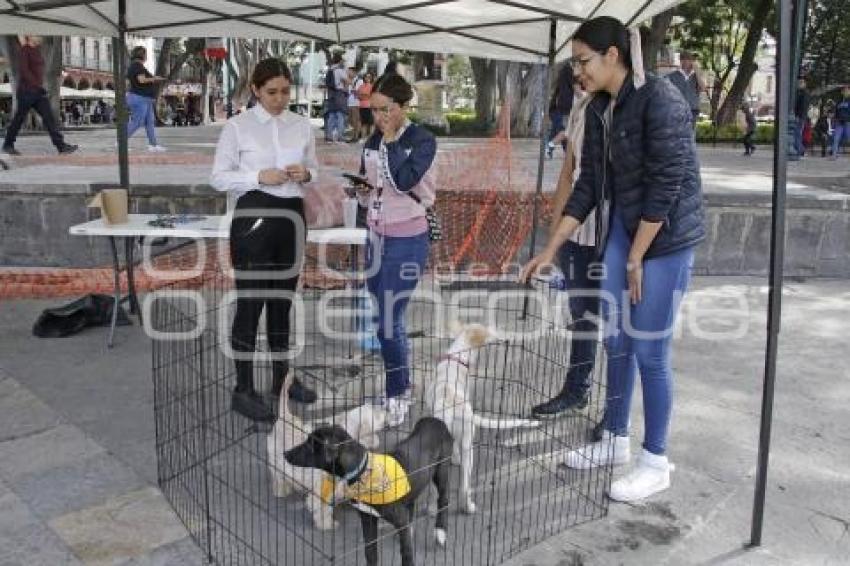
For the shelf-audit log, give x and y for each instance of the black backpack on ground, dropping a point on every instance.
(91, 310)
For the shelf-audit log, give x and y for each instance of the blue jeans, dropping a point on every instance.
(799, 147)
(400, 265)
(141, 114)
(336, 121)
(557, 124)
(841, 132)
(639, 336)
(575, 262)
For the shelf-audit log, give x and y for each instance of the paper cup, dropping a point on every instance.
(112, 204)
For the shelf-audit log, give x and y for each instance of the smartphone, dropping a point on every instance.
(358, 180)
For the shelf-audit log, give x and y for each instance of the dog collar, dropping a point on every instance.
(454, 358)
(354, 475)
(382, 481)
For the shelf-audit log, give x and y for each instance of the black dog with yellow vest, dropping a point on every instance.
(383, 485)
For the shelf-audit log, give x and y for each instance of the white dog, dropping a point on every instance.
(362, 423)
(447, 398)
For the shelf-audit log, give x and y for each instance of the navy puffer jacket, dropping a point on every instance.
(653, 172)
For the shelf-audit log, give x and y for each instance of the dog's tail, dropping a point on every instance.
(484, 422)
(283, 403)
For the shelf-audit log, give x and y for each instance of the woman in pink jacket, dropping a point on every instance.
(398, 161)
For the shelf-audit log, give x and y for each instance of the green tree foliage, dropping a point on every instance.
(461, 83)
(716, 32)
(827, 45)
(725, 34)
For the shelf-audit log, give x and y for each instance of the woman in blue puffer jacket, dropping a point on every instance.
(641, 173)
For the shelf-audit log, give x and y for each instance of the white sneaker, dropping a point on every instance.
(156, 149)
(397, 408)
(651, 475)
(610, 450)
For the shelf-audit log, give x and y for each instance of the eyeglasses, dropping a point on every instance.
(385, 110)
(579, 64)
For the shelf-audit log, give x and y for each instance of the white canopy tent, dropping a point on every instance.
(518, 30)
(515, 30)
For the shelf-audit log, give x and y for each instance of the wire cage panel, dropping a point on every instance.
(216, 469)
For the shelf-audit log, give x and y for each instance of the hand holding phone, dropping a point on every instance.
(360, 183)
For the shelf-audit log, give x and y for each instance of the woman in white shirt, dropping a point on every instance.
(263, 157)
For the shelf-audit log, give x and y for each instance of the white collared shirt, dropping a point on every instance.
(256, 140)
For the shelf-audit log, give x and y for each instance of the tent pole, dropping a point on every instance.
(535, 215)
(541, 158)
(119, 70)
(310, 80)
(777, 254)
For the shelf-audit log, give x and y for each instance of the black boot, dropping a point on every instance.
(249, 404)
(280, 371)
(598, 430)
(563, 404)
(300, 393)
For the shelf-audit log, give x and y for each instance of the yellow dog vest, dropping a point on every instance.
(383, 481)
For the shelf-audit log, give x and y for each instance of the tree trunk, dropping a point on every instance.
(510, 89)
(205, 93)
(526, 104)
(483, 72)
(654, 40)
(192, 47)
(714, 100)
(168, 46)
(9, 49)
(243, 54)
(729, 108)
(51, 50)
(830, 59)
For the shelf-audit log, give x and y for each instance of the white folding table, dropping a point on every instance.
(210, 227)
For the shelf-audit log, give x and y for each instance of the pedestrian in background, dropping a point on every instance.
(142, 97)
(336, 87)
(364, 93)
(749, 129)
(686, 79)
(801, 113)
(560, 106)
(824, 128)
(354, 104)
(842, 122)
(31, 95)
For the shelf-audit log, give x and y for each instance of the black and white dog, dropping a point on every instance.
(385, 486)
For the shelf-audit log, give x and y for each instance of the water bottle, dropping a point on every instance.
(365, 322)
(558, 282)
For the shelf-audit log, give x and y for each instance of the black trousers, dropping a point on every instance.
(41, 104)
(749, 146)
(267, 238)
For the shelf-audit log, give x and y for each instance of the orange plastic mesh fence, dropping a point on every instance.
(485, 203)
